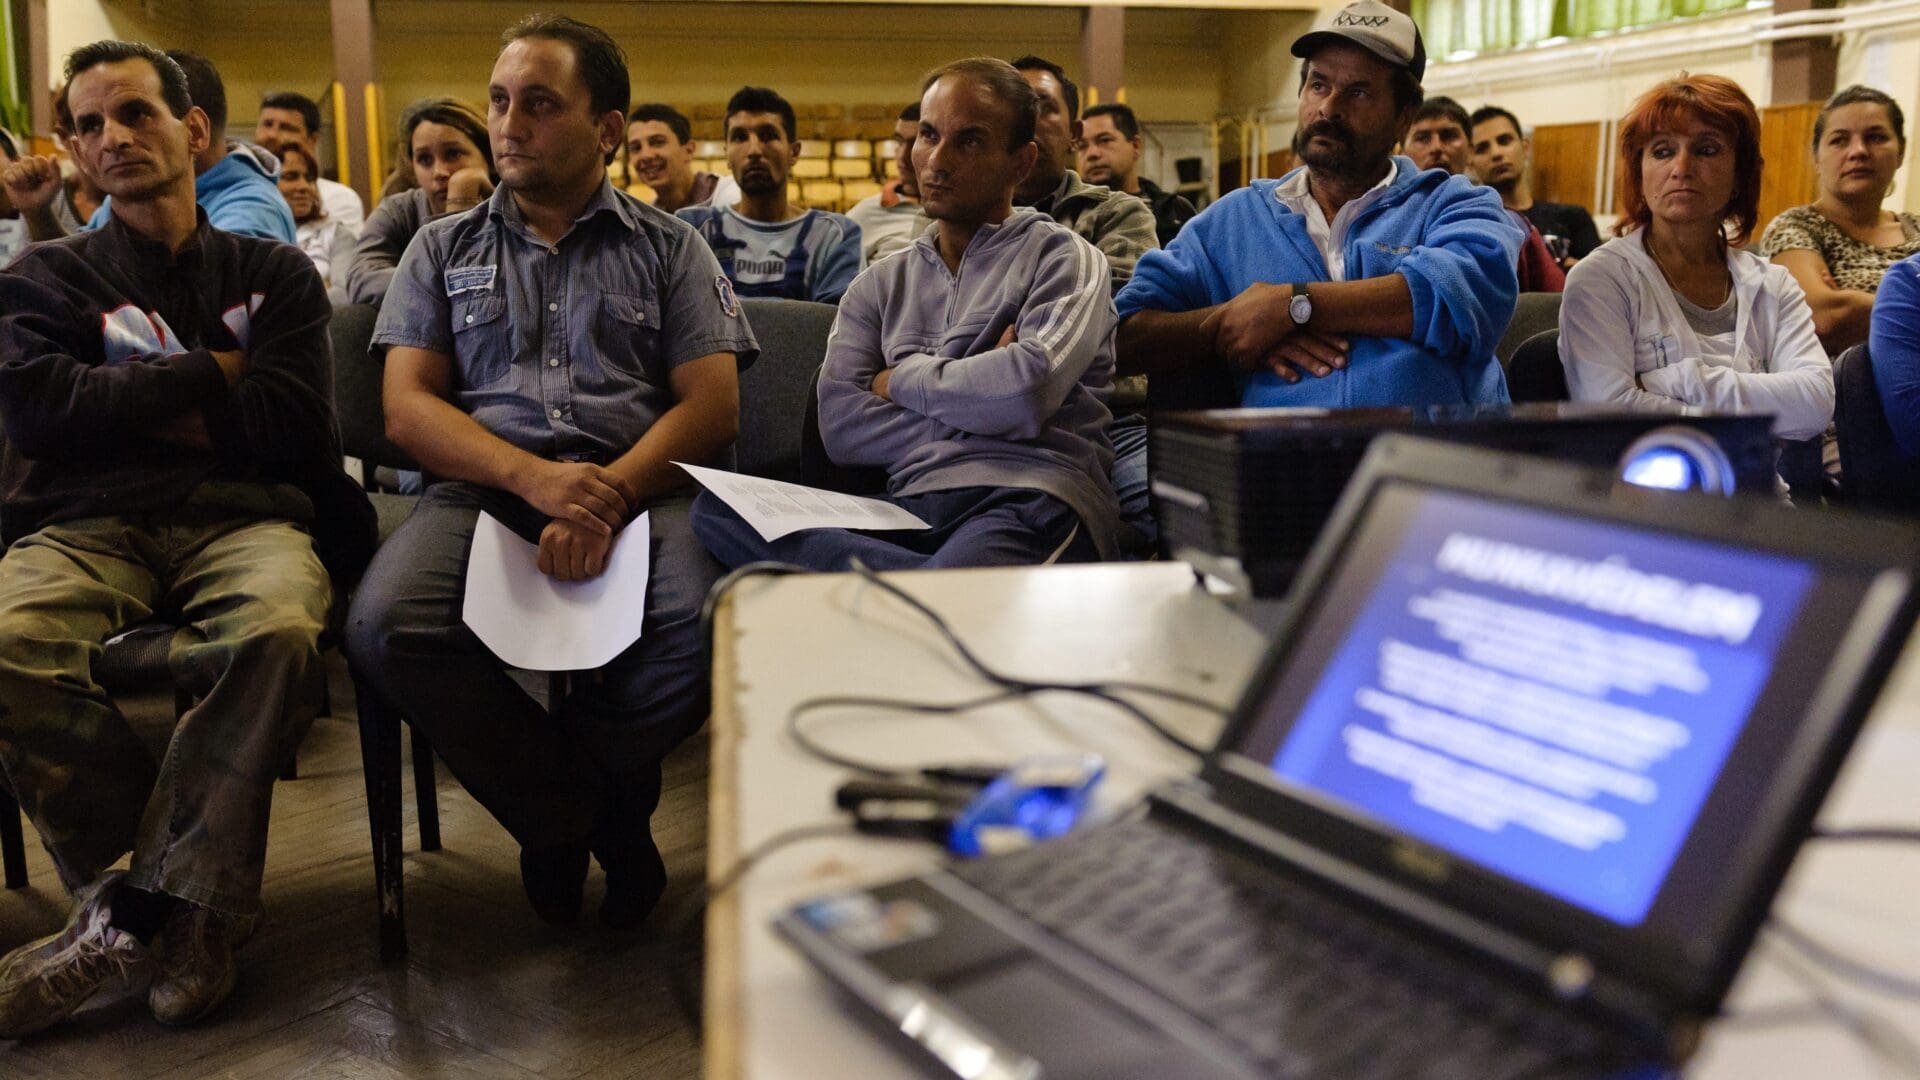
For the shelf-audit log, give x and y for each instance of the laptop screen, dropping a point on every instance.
(1548, 696)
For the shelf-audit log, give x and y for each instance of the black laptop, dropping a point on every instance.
(1508, 800)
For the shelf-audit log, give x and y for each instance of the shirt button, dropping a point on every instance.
(469, 318)
(555, 414)
(553, 251)
(553, 307)
(553, 361)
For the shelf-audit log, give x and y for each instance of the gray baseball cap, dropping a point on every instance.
(1383, 31)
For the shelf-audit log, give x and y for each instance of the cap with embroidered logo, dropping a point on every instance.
(1386, 33)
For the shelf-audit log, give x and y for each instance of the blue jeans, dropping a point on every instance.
(1129, 437)
(978, 526)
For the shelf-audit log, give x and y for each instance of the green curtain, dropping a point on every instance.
(1451, 26)
(13, 80)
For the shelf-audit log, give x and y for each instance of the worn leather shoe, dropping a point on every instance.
(636, 876)
(43, 982)
(197, 971)
(555, 879)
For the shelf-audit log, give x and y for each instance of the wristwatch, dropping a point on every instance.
(1300, 308)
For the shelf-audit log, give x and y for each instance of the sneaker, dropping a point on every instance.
(555, 879)
(44, 982)
(197, 971)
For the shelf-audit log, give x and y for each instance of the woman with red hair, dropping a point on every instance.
(1670, 313)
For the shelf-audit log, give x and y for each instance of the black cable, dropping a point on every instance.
(808, 745)
(685, 926)
(1880, 1037)
(1576, 1063)
(735, 577)
(1892, 834)
(1106, 690)
(1879, 980)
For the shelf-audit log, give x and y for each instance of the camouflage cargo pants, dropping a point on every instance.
(252, 599)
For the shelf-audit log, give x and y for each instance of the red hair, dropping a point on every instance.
(1709, 99)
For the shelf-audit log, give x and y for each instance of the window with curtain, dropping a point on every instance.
(1473, 26)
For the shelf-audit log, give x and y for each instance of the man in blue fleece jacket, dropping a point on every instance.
(1354, 280)
(972, 366)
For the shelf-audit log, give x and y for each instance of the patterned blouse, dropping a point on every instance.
(1854, 265)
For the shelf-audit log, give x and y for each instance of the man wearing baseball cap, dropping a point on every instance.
(1355, 280)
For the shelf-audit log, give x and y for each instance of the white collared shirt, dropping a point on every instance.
(1329, 237)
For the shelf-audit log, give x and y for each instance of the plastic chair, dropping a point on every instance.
(776, 391)
(1532, 313)
(1535, 373)
(1874, 472)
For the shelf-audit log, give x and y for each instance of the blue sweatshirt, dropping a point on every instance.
(240, 196)
(967, 411)
(1893, 346)
(1452, 242)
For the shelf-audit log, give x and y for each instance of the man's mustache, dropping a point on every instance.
(1326, 129)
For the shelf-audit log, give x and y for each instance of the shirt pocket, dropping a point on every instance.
(623, 341)
(1653, 350)
(482, 341)
(1376, 259)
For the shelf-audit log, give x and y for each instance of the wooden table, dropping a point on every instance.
(781, 641)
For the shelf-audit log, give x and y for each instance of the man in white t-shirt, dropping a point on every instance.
(287, 117)
(660, 155)
(887, 220)
(766, 245)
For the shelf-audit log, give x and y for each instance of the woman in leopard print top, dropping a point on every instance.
(1840, 246)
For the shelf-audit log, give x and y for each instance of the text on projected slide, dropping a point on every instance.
(1548, 697)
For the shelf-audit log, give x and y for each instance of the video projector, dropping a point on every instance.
(1241, 493)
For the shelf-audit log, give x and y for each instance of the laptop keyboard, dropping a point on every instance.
(1304, 986)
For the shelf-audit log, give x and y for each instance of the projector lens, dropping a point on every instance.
(1669, 470)
(1677, 459)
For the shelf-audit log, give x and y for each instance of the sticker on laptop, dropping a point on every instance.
(864, 924)
(470, 279)
(729, 303)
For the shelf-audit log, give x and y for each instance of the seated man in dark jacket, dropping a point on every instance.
(170, 447)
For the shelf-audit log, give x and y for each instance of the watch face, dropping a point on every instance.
(1301, 308)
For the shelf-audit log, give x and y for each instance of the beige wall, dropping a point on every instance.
(813, 51)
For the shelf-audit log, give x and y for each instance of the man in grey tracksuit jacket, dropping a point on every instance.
(972, 366)
(996, 434)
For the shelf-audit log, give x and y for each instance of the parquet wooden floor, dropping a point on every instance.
(486, 991)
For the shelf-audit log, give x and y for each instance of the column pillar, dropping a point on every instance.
(356, 125)
(39, 69)
(1804, 69)
(1103, 56)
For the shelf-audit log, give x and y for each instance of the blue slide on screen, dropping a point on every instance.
(1548, 697)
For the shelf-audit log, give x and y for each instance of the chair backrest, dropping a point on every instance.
(1535, 373)
(1532, 313)
(776, 391)
(1873, 470)
(817, 469)
(356, 390)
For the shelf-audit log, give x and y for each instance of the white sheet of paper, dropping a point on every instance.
(775, 508)
(538, 623)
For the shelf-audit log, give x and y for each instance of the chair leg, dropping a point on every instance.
(426, 792)
(380, 760)
(13, 843)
